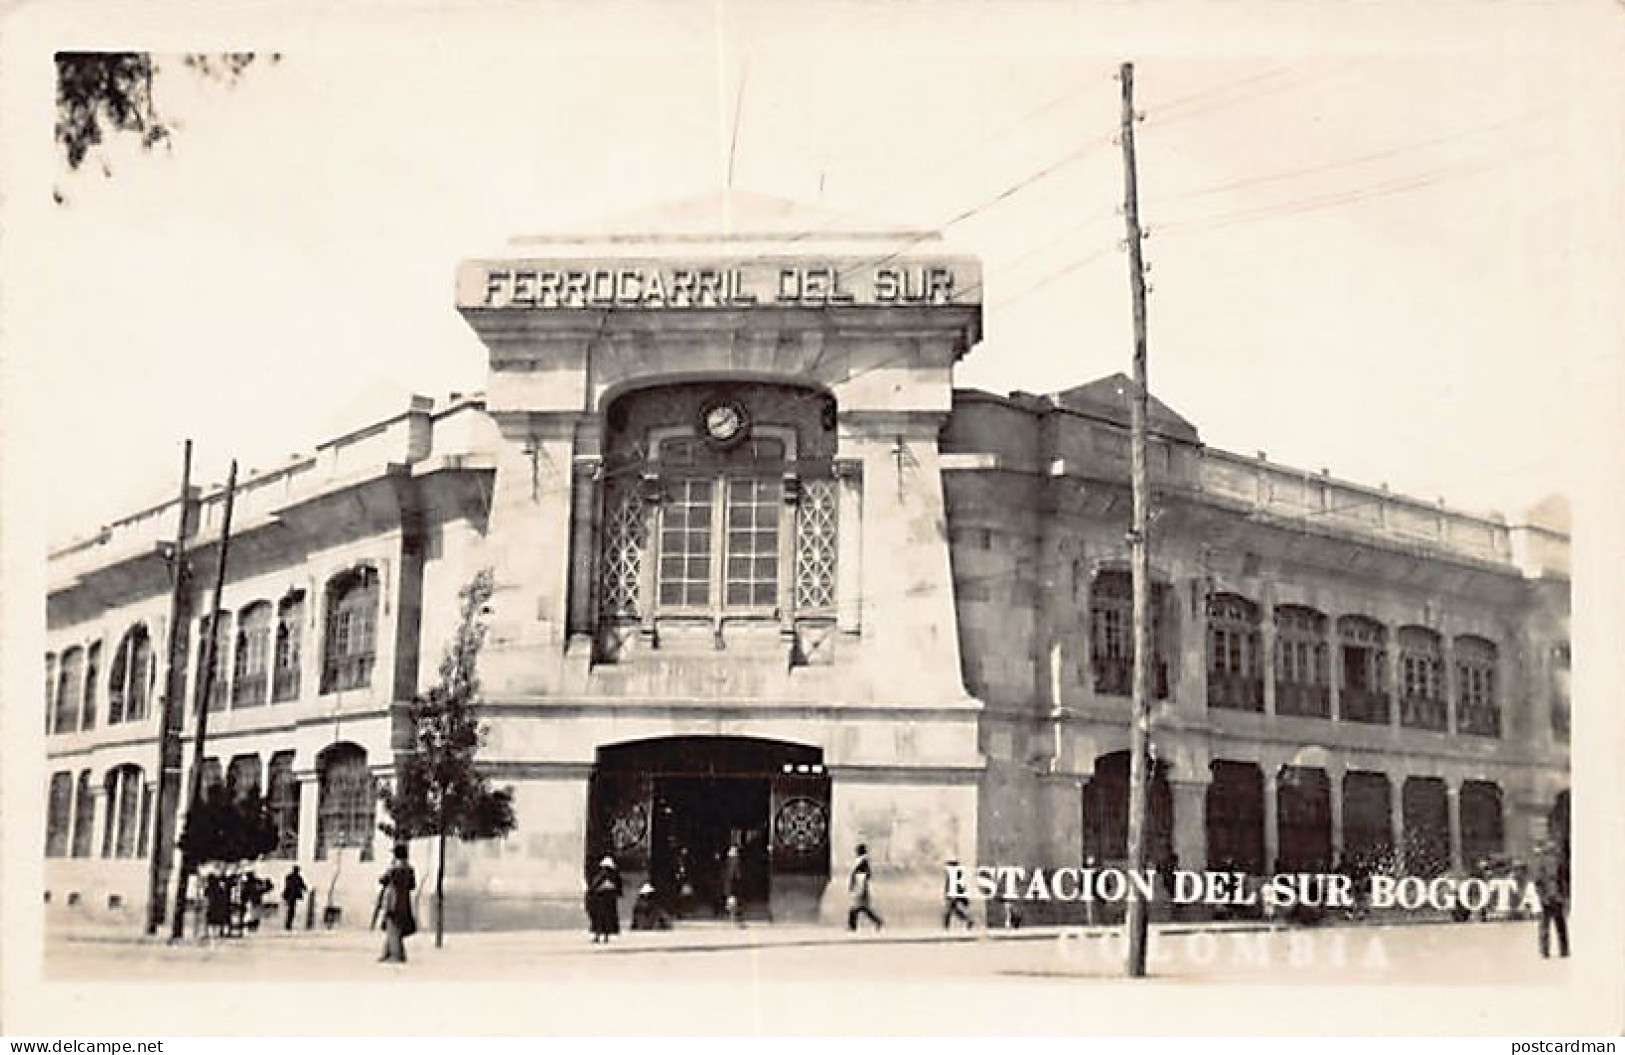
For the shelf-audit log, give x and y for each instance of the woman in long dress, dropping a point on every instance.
(395, 905)
(604, 900)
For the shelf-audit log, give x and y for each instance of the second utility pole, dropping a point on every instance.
(205, 689)
(1140, 708)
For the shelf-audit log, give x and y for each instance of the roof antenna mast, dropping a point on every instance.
(739, 111)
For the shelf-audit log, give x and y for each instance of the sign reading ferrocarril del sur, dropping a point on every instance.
(755, 282)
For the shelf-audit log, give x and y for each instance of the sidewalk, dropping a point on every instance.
(687, 937)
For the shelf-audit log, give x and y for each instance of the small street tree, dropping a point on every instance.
(440, 791)
(228, 830)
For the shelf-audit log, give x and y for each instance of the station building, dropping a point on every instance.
(766, 579)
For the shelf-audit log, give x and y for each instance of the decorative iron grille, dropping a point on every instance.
(624, 540)
(815, 546)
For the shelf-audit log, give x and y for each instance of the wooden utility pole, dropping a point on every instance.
(167, 799)
(205, 687)
(1140, 722)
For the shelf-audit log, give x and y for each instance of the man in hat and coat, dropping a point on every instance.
(1552, 885)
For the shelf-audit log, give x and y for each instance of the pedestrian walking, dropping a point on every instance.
(955, 903)
(217, 905)
(395, 888)
(293, 888)
(857, 884)
(733, 883)
(253, 900)
(604, 901)
(1551, 884)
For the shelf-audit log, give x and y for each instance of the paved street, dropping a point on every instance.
(1373, 955)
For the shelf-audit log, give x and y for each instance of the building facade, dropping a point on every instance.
(766, 580)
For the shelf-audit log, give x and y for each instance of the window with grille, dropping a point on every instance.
(699, 525)
(284, 796)
(1477, 711)
(1421, 674)
(1234, 654)
(250, 664)
(1301, 686)
(719, 532)
(1364, 658)
(1111, 635)
(352, 614)
(290, 619)
(345, 802)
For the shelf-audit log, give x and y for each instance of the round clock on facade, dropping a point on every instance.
(724, 422)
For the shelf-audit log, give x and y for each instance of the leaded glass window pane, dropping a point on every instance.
(685, 544)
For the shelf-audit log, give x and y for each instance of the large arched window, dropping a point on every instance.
(1301, 685)
(1235, 654)
(1363, 658)
(1478, 713)
(284, 796)
(346, 801)
(251, 663)
(213, 777)
(243, 777)
(350, 648)
(719, 507)
(1111, 634)
(290, 622)
(126, 805)
(59, 815)
(128, 681)
(219, 687)
(84, 815)
(70, 685)
(1421, 679)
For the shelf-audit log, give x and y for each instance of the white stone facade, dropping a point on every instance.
(867, 608)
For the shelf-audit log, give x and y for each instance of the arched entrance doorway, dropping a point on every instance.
(669, 811)
(1105, 813)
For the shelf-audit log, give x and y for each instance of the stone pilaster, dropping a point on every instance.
(309, 795)
(1272, 818)
(1334, 671)
(1453, 819)
(1396, 819)
(532, 512)
(1267, 651)
(849, 546)
(1335, 772)
(1190, 821)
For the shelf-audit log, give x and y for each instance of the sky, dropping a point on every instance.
(1385, 238)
